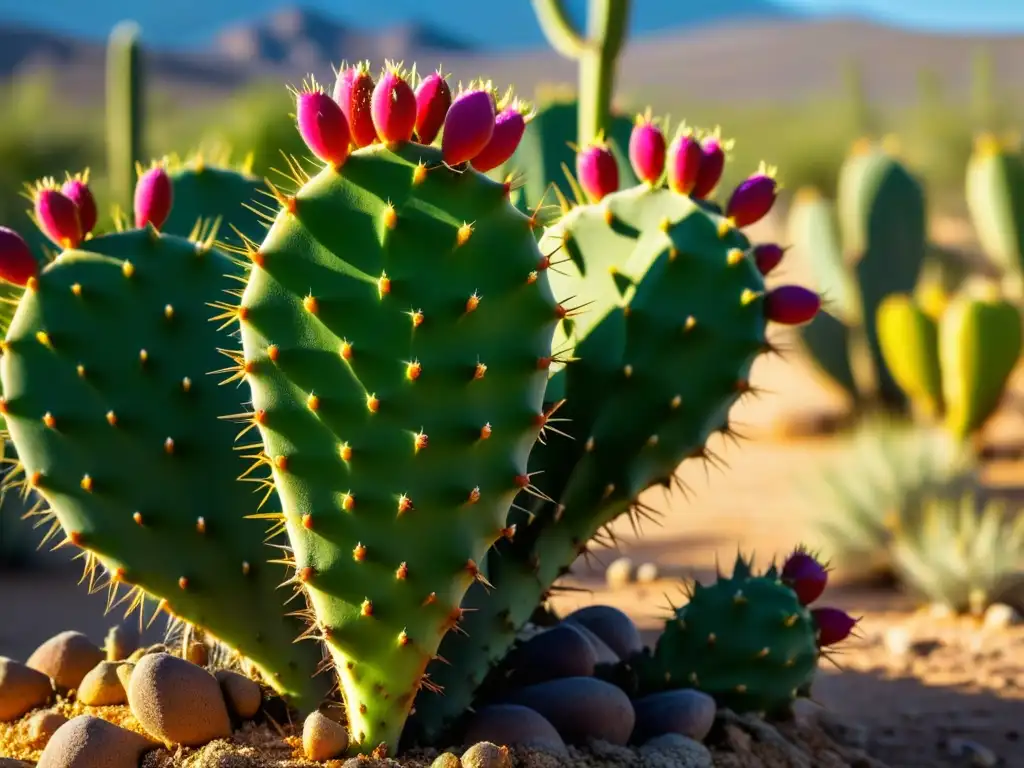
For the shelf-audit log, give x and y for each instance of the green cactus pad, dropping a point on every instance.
(745, 640)
(206, 192)
(909, 340)
(995, 200)
(397, 334)
(119, 427)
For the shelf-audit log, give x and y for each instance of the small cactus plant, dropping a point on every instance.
(995, 201)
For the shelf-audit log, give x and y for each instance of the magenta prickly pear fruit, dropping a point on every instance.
(77, 189)
(752, 199)
(791, 304)
(153, 198)
(353, 92)
(684, 158)
(393, 108)
(509, 127)
(647, 150)
(468, 126)
(597, 170)
(833, 625)
(58, 217)
(323, 127)
(17, 264)
(712, 163)
(805, 576)
(767, 257)
(433, 98)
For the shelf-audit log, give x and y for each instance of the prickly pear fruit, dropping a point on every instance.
(77, 190)
(684, 160)
(353, 92)
(433, 98)
(597, 171)
(17, 264)
(58, 217)
(509, 127)
(909, 340)
(393, 107)
(712, 163)
(804, 575)
(154, 196)
(647, 150)
(323, 127)
(468, 126)
(767, 257)
(791, 304)
(832, 625)
(752, 200)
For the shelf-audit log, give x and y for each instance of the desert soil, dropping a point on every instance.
(927, 691)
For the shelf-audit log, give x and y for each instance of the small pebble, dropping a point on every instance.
(124, 673)
(581, 708)
(243, 695)
(672, 750)
(515, 725)
(978, 754)
(89, 742)
(446, 760)
(685, 712)
(197, 653)
(66, 658)
(322, 738)
(101, 686)
(611, 625)
(10, 762)
(484, 754)
(557, 652)
(1000, 616)
(21, 689)
(619, 573)
(42, 725)
(121, 641)
(647, 573)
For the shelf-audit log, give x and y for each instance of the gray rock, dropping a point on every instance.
(561, 651)
(672, 750)
(243, 695)
(514, 725)
(978, 754)
(686, 712)
(22, 689)
(602, 652)
(611, 625)
(581, 708)
(89, 742)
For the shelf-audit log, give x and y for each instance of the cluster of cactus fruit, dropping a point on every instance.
(401, 351)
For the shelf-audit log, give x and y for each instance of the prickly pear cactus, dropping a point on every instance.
(120, 428)
(396, 329)
(673, 311)
(995, 201)
(909, 340)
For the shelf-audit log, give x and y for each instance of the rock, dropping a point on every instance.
(177, 702)
(197, 653)
(685, 711)
(446, 760)
(484, 754)
(619, 573)
(124, 673)
(978, 754)
(66, 658)
(602, 652)
(243, 695)
(42, 725)
(21, 689)
(581, 708)
(842, 731)
(613, 626)
(10, 762)
(1001, 616)
(514, 725)
(557, 652)
(138, 653)
(899, 642)
(89, 742)
(672, 750)
(322, 738)
(647, 573)
(101, 686)
(121, 641)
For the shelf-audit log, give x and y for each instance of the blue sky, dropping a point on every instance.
(952, 15)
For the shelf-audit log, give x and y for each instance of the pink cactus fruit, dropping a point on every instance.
(712, 163)
(509, 127)
(468, 126)
(393, 107)
(805, 576)
(323, 127)
(767, 257)
(753, 198)
(353, 92)
(58, 217)
(597, 170)
(791, 305)
(647, 150)
(77, 189)
(684, 159)
(433, 98)
(17, 264)
(833, 625)
(154, 195)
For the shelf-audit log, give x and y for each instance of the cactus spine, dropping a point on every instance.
(124, 111)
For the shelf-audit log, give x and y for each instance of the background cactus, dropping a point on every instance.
(995, 201)
(125, 111)
(396, 330)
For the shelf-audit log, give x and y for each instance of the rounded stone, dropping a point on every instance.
(602, 652)
(611, 625)
(619, 573)
(177, 702)
(647, 573)
(446, 760)
(514, 725)
(42, 725)
(685, 712)
(323, 738)
(124, 674)
(121, 641)
(243, 695)
(101, 686)
(22, 689)
(66, 658)
(88, 742)
(560, 651)
(581, 708)
(484, 754)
